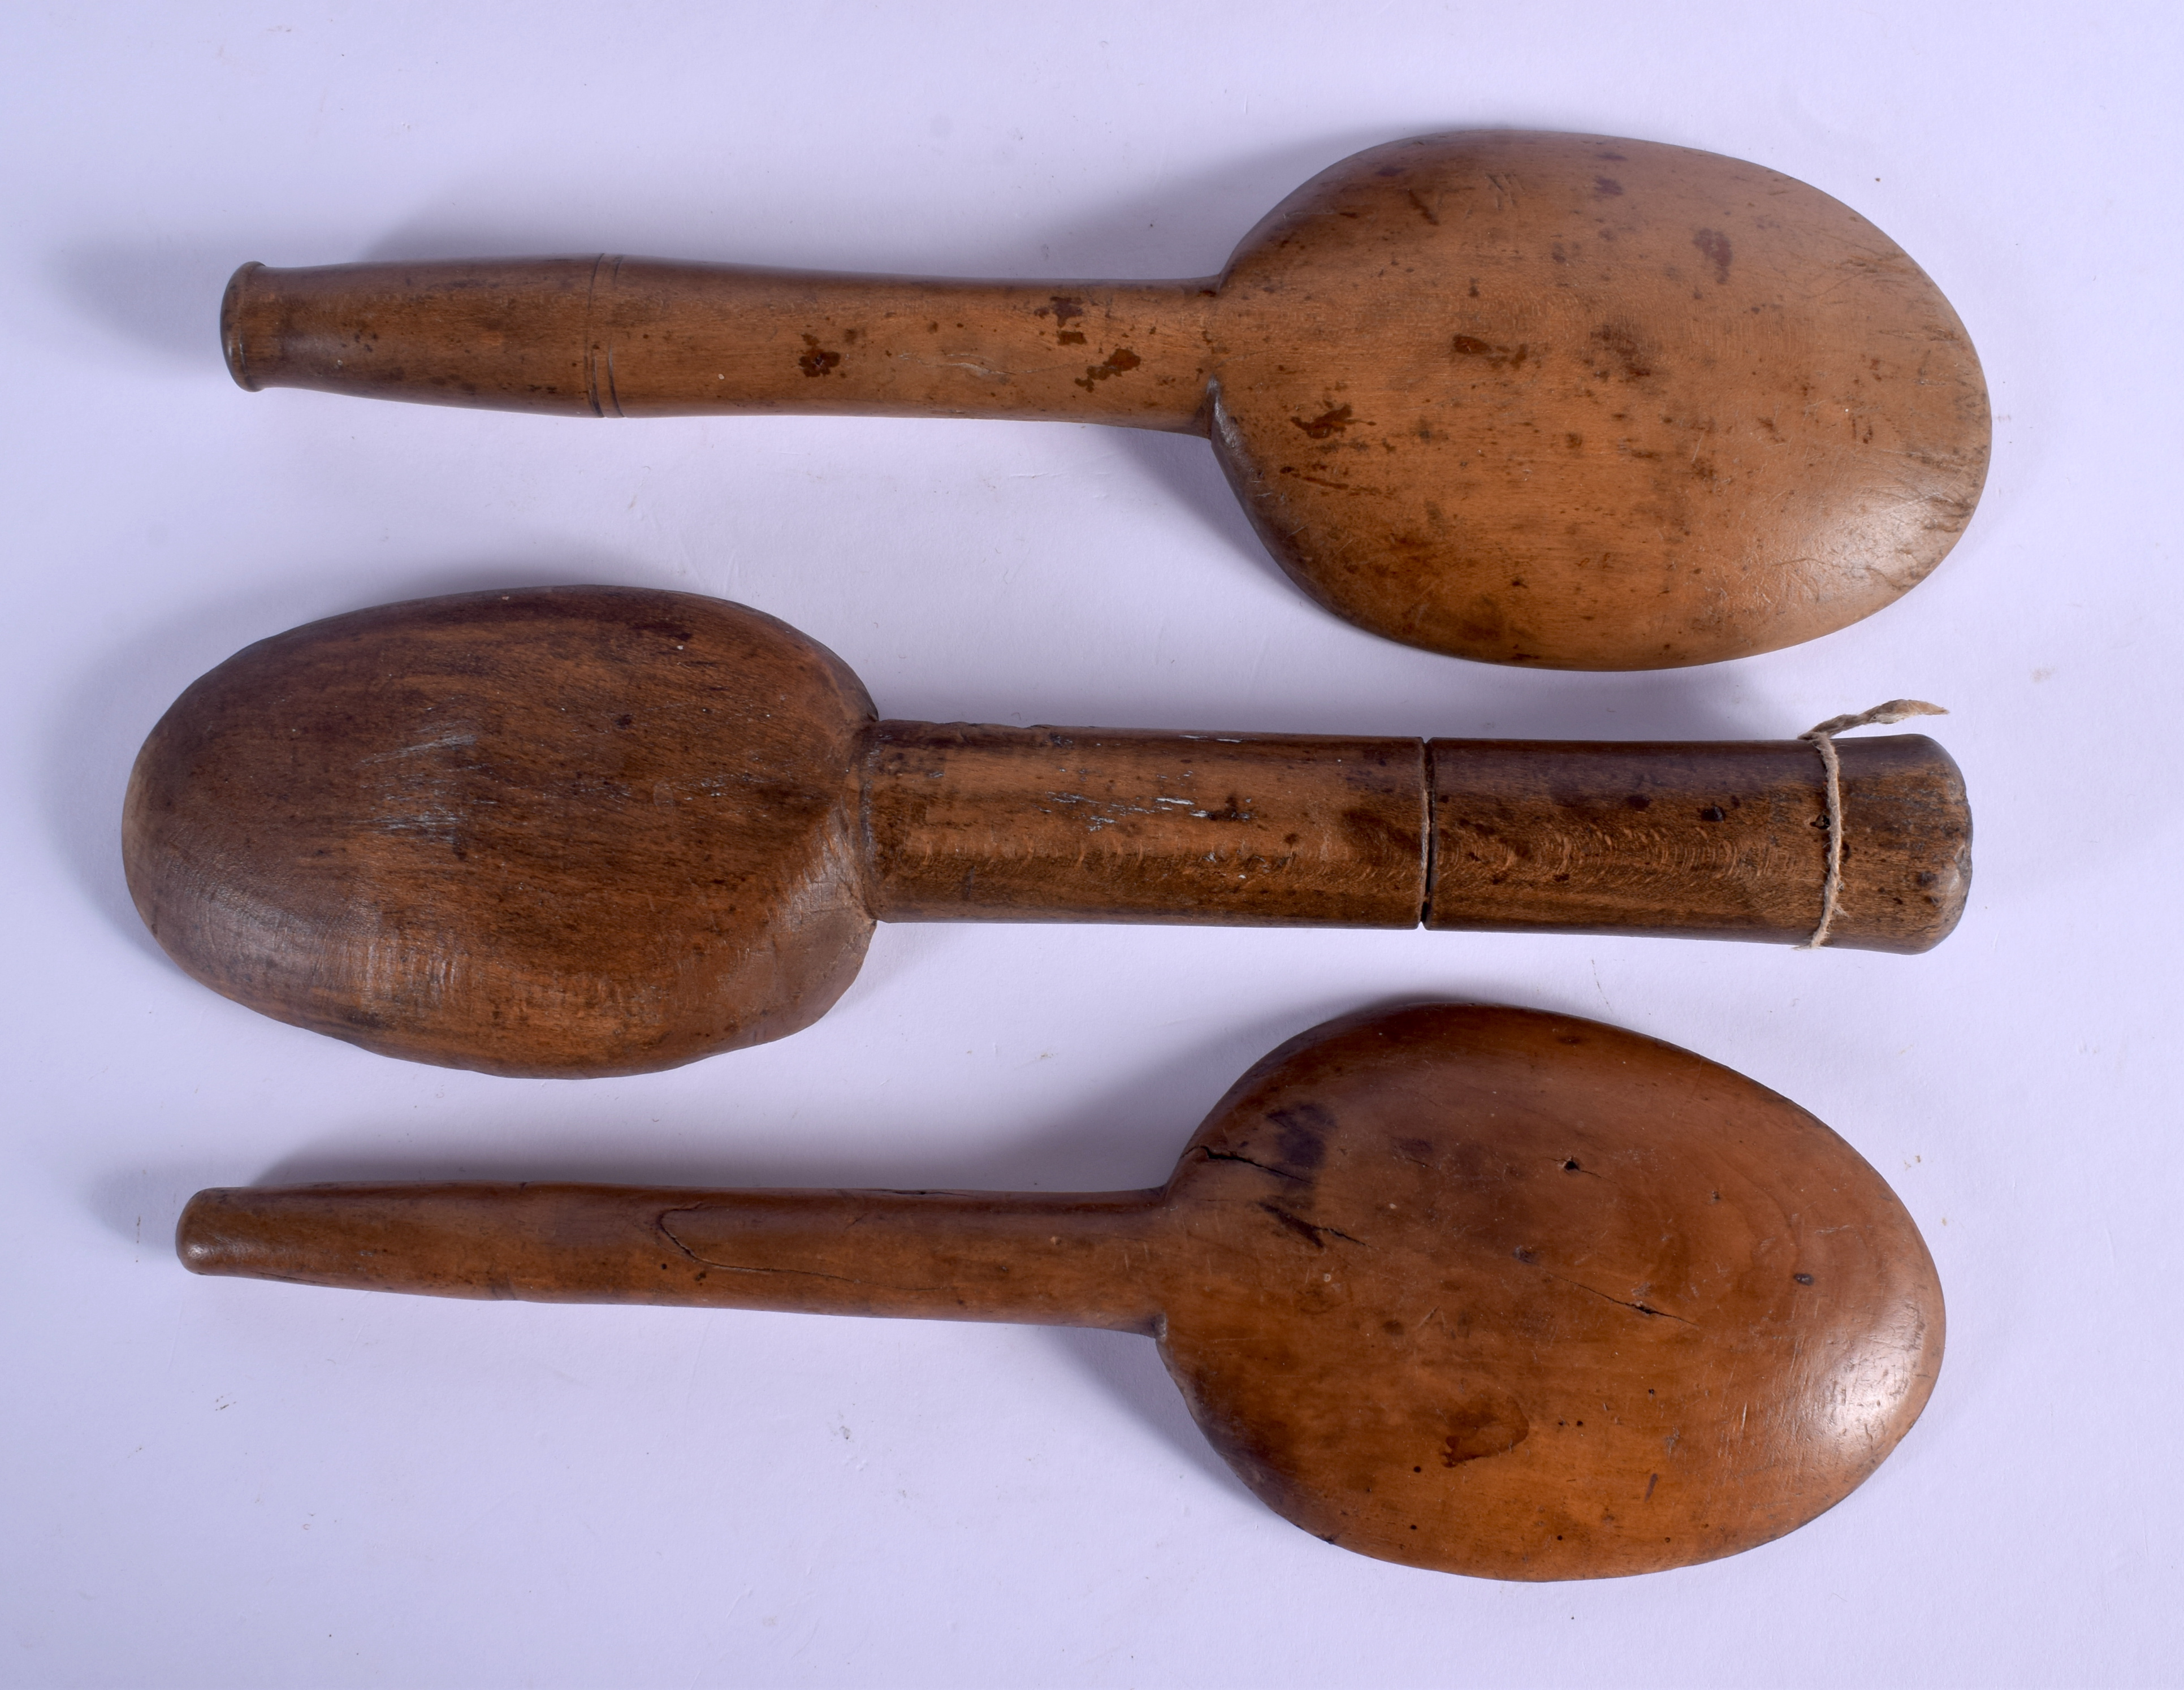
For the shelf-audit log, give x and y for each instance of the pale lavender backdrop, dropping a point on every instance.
(230, 1484)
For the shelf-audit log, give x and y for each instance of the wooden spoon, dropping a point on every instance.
(1487, 1291)
(603, 830)
(1549, 400)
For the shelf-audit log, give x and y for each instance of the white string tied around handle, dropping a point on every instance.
(1823, 738)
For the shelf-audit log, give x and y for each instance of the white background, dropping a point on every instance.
(235, 1484)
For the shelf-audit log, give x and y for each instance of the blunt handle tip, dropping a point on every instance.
(231, 339)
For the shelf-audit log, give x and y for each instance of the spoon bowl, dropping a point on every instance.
(1621, 1308)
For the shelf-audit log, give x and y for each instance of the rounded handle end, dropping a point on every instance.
(201, 1244)
(231, 336)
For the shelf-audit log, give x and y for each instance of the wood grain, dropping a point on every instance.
(499, 829)
(967, 822)
(604, 830)
(1571, 836)
(1555, 400)
(1481, 1289)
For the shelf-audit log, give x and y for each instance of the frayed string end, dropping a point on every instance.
(1822, 740)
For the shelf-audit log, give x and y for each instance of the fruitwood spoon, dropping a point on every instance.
(1487, 1291)
(1548, 399)
(602, 830)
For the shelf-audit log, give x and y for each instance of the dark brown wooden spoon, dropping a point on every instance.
(602, 830)
(1548, 399)
(597, 830)
(1482, 1290)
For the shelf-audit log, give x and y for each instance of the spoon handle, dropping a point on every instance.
(1035, 1258)
(1722, 840)
(606, 335)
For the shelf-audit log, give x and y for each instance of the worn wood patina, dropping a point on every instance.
(600, 830)
(1555, 400)
(1481, 1289)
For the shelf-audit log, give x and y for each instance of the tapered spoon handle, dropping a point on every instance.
(1079, 1259)
(606, 335)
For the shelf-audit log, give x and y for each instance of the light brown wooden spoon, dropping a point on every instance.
(601, 830)
(1482, 1290)
(1548, 399)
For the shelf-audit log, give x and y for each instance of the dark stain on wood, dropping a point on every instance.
(1329, 423)
(1117, 363)
(1713, 247)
